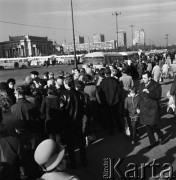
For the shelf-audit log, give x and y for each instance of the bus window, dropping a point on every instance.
(97, 60)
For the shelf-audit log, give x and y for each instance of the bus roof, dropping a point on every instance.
(101, 54)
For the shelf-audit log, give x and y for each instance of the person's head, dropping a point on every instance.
(11, 83)
(38, 82)
(102, 72)
(110, 67)
(69, 83)
(3, 86)
(133, 91)
(34, 74)
(87, 78)
(146, 77)
(157, 63)
(97, 71)
(20, 92)
(79, 85)
(46, 75)
(51, 75)
(114, 72)
(28, 80)
(124, 70)
(77, 71)
(91, 65)
(107, 72)
(50, 156)
(61, 73)
(59, 82)
(50, 91)
(50, 83)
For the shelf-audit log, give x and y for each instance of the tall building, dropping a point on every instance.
(79, 39)
(122, 40)
(139, 37)
(98, 38)
(23, 46)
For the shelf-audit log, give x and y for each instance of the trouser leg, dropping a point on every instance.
(133, 124)
(81, 144)
(158, 131)
(150, 133)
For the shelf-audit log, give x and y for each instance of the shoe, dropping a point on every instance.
(152, 145)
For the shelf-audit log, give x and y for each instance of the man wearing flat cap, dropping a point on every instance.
(34, 74)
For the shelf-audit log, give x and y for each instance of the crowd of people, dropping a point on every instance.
(43, 120)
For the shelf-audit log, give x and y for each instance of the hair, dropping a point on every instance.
(102, 72)
(107, 72)
(79, 85)
(11, 80)
(21, 90)
(3, 86)
(87, 78)
(148, 74)
(5, 101)
(61, 73)
(27, 90)
(46, 74)
(124, 70)
(69, 81)
(134, 89)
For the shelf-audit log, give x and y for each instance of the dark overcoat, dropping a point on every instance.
(149, 103)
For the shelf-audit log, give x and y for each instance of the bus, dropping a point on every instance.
(13, 63)
(38, 60)
(100, 58)
(129, 56)
(68, 59)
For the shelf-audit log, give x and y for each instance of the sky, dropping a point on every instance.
(52, 18)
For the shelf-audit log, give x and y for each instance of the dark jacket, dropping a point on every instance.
(25, 113)
(74, 105)
(109, 91)
(173, 87)
(149, 103)
(50, 110)
(9, 158)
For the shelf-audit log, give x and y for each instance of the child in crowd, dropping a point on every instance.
(130, 107)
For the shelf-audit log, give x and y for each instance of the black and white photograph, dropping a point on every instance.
(87, 89)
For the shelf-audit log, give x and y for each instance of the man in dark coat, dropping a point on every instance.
(25, 114)
(74, 112)
(173, 89)
(110, 91)
(149, 108)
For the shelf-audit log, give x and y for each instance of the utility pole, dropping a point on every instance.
(131, 26)
(89, 44)
(75, 59)
(166, 40)
(116, 14)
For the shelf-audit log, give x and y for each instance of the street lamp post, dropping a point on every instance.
(116, 14)
(166, 40)
(75, 59)
(131, 26)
